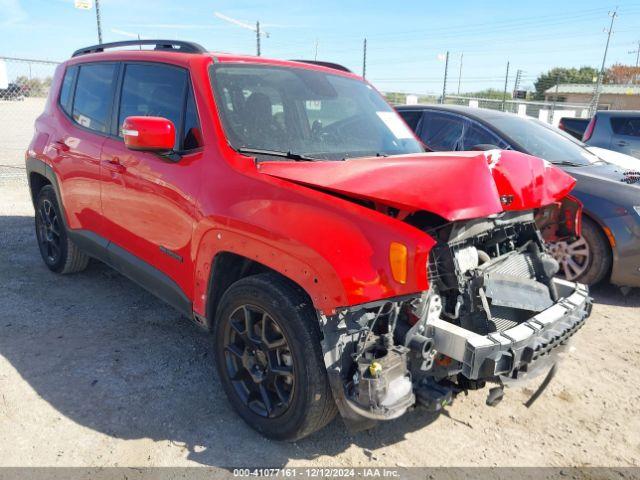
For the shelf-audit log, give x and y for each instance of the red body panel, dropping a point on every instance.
(216, 200)
(455, 186)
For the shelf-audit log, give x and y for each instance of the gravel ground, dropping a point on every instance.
(94, 371)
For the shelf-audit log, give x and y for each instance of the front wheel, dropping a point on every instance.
(269, 358)
(586, 259)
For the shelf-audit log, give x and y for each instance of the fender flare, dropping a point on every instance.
(323, 286)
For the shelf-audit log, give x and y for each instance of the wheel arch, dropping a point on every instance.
(226, 269)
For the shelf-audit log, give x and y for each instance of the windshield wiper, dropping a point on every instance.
(275, 153)
(569, 164)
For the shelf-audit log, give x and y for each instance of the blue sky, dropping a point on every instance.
(404, 37)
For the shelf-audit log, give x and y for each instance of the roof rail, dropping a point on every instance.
(335, 66)
(171, 45)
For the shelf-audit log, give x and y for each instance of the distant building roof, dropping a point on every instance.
(607, 89)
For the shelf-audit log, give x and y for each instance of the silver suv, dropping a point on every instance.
(617, 130)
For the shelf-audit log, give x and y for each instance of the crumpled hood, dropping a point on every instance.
(454, 185)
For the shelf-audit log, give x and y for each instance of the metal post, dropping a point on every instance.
(596, 94)
(460, 73)
(637, 52)
(555, 98)
(315, 57)
(258, 37)
(364, 59)
(98, 21)
(444, 83)
(504, 94)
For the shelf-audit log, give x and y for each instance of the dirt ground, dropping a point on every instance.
(94, 371)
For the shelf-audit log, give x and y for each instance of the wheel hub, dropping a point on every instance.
(258, 361)
(573, 257)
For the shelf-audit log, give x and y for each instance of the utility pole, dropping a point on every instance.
(446, 71)
(460, 72)
(637, 52)
(315, 57)
(247, 26)
(258, 38)
(98, 21)
(555, 97)
(504, 94)
(596, 94)
(364, 59)
(516, 85)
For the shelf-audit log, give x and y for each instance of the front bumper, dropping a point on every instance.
(522, 348)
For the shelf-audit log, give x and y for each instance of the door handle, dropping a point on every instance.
(114, 165)
(623, 143)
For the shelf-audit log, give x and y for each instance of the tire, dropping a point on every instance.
(586, 260)
(293, 375)
(58, 252)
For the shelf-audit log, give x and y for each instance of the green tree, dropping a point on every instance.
(583, 75)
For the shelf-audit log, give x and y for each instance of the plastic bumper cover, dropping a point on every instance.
(520, 348)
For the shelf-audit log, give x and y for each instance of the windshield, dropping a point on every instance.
(306, 112)
(543, 141)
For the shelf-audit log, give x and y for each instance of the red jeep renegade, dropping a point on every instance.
(287, 208)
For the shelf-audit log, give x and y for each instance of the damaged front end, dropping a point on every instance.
(494, 311)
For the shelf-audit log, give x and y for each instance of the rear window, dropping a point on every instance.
(626, 126)
(411, 117)
(93, 96)
(65, 89)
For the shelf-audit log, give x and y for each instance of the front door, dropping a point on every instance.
(148, 201)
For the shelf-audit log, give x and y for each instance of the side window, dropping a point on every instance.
(626, 126)
(192, 137)
(65, 89)
(153, 91)
(412, 118)
(92, 101)
(476, 134)
(442, 132)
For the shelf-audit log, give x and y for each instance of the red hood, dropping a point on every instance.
(456, 186)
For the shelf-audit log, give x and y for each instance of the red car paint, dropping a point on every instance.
(216, 200)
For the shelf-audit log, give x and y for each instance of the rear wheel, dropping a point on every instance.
(59, 253)
(587, 259)
(269, 358)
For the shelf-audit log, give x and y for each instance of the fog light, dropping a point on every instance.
(398, 261)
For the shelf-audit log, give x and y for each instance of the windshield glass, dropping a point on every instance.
(543, 141)
(306, 112)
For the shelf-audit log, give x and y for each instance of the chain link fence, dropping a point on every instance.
(24, 86)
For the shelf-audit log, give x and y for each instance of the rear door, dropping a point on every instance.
(148, 200)
(86, 98)
(626, 134)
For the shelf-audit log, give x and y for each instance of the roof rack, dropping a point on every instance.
(335, 66)
(171, 45)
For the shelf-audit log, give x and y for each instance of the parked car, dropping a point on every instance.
(12, 92)
(286, 207)
(574, 126)
(617, 130)
(622, 160)
(610, 244)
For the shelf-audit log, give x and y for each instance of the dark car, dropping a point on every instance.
(617, 130)
(610, 243)
(12, 92)
(574, 126)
